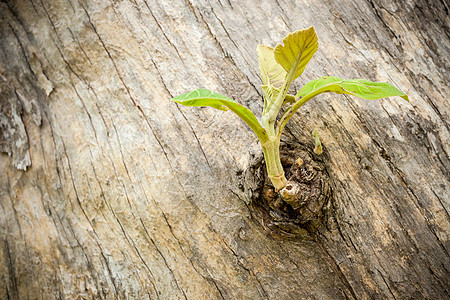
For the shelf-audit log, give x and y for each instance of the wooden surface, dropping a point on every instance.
(127, 195)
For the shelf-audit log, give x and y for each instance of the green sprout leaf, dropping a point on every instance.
(299, 47)
(272, 93)
(203, 97)
(272, 74)
(318, 149)
(357, 87)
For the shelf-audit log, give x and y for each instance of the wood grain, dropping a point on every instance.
(127, 195)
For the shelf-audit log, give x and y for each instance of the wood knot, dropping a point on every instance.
(300, 204)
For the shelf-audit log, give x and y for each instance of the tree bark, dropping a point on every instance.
(110, 191)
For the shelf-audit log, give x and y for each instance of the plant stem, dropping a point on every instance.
(271, 150)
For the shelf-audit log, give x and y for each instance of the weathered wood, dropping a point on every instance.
(127, 195)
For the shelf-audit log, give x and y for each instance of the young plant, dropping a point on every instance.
(279, 67)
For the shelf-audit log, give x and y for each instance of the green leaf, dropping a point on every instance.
(289, 99)
(272, 74)
(357, 87)
(318, 149)
(270, 92)
(298, 49)
(203, 97)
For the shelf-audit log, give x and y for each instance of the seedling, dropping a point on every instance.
(279, 66)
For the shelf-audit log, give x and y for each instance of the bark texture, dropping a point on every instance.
(110, 191)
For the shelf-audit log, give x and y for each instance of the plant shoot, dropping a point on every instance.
(279, 67)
